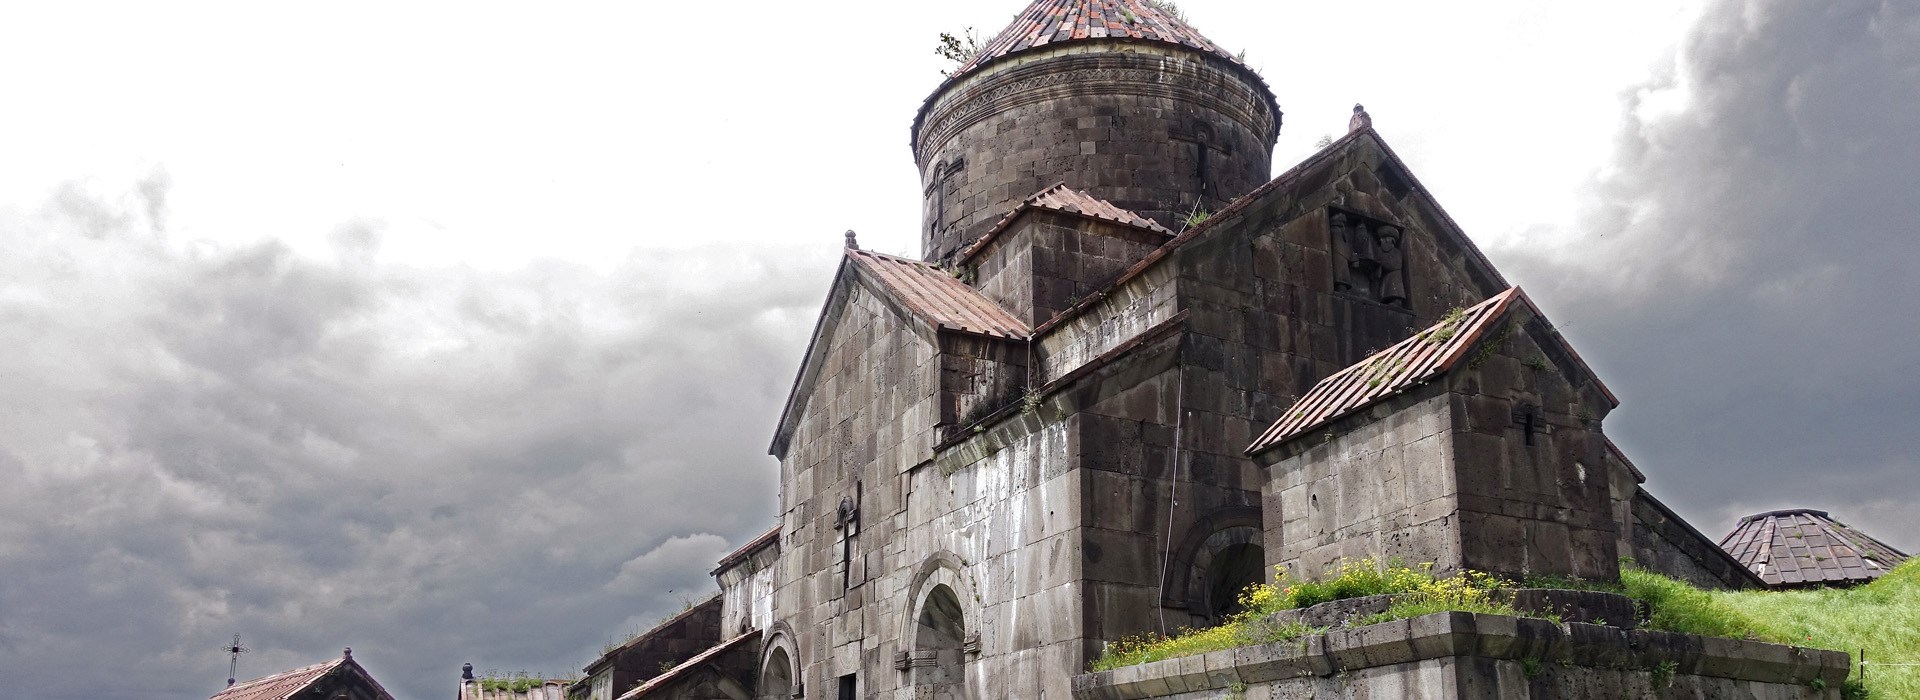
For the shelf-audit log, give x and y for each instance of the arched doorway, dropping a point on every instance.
(940, 630)
(1232, 569)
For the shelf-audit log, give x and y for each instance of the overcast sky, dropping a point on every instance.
(457, 332)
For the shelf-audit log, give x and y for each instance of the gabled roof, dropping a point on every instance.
(1048, 22)
(936, 296)
(925, 291)
(1067, 200)
(1236, 210)
(689, 667)
(280, 685)
(1419, 359)
(1808, 547)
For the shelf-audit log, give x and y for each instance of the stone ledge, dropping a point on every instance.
(1458, 634)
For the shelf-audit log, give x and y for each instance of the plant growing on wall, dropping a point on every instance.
(959, 48)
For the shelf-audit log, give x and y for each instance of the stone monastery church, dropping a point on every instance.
(1129, 375)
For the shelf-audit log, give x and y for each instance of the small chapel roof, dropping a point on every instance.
(1419, 359)
(935, 295)
(280, 685)
(1804, 547)
(1048, 22)
(287, 684)
(1064, 199)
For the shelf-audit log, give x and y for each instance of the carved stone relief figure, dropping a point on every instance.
(1369, 258)
(1342, 254)
(1363, 264)
(1389, 261)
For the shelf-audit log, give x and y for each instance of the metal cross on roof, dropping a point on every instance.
(233, 659)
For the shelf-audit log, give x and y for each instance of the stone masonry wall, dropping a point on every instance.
(1046, 261)
(869, 419)
(1465, 655)
(1383, 490)
(978, 375)
(1125, 126)
(1530, 460)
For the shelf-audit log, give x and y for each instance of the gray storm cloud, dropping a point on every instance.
(1745, 276)
(432, 465)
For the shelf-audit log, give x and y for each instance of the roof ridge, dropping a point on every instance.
(286, 674)
(1063, 198)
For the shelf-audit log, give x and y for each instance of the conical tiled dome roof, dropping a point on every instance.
(1808, 547)
(1048, 22)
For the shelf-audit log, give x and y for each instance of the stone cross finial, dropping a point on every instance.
(1360, 120)
(852, 243)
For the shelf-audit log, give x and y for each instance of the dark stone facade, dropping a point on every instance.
(971, 512)
(1159, 130)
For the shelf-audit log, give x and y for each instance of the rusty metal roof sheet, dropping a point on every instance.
(1808, 547)
(1417, 360)
(1062, 198)
(279, 686)
(1047, 22)
(937, 296)
(688, 667)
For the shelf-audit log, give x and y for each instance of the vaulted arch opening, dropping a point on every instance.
(1233, 569)
(938, 663)
(776, 677)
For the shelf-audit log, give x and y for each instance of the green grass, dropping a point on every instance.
(1883, 617)
(1421, 593)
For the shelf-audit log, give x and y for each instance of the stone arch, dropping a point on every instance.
(1222, 555)
(940, 629)
(779, 671)
(937, 664)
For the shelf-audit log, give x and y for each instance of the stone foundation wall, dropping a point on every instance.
(1466, 655)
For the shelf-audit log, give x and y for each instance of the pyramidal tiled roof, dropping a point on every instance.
(1062, 198)
(1417, 360)
(1048, 22)
(280, 685)
(936, 295)
(1808, 547)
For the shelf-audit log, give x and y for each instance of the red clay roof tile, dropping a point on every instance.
(1050, 21)
(937, 296)
(1062, 198)
(280, 685)
(1417, 360)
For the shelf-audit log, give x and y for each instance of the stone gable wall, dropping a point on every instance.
(1046, 261)
(1543, 508)
(870, 418)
